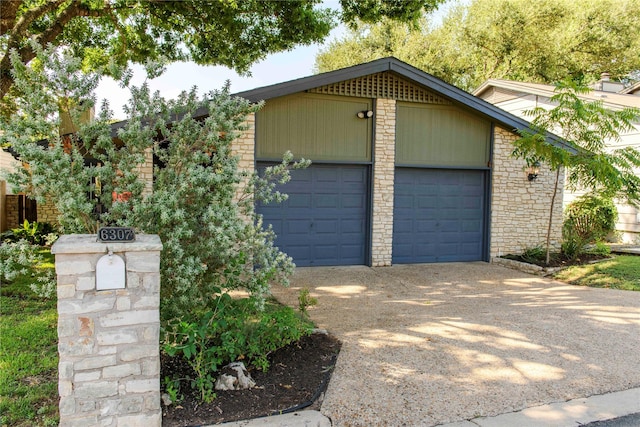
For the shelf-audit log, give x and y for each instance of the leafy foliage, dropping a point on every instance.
(543, 41)
(587, 220)
(590, 217)
(108, 35)
(233, 330)
(36, 233)
(213, 240)
(587, 127)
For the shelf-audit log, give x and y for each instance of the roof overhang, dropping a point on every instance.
(418, 77)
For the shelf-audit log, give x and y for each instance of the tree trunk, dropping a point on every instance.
(553, 202)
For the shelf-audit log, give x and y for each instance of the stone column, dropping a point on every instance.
(383, 178)
(108, 340)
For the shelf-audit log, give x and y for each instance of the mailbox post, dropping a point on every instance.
(108, 330)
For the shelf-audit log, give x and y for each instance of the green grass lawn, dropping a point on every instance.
(622, 272)
(28, 356)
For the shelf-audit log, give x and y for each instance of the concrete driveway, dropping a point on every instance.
(435, 343)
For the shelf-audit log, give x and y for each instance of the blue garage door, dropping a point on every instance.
(324, 220)
(438, 215)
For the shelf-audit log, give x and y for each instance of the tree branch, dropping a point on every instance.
(18, 34)
(20, 27)
(8, 12)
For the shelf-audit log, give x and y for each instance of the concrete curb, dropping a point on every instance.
(295, 419)
(566, 414)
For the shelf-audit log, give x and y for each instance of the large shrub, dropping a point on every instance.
(214, 242)
(588, 219)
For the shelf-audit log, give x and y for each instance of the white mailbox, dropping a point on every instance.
(110, 273)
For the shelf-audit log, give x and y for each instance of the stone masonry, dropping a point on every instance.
(244, 148)
(520, 208)
(108, 340)
(383, 179)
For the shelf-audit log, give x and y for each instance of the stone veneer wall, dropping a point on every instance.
(108, 340)
(244, 148)
(145, 171)
(47, 212)
(383, 179)
(11, 211)
(520, 208)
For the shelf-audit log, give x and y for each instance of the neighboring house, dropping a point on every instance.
(519, 97)
(11, 210)
(406, 169)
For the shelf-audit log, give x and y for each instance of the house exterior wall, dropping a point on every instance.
(7, 221)
(628, 224)
(244, 148)
(383, 181)
(520, 208)
(47, 212)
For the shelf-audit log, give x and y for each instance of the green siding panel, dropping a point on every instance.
(316, 127)
(437, 135)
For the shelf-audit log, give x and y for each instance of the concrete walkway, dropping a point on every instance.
(432, 344)
(574, 413)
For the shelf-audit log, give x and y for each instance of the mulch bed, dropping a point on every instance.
(298, 374)
(557, 260)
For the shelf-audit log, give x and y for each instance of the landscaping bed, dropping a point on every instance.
(297, 378)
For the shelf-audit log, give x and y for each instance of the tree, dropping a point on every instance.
(543, 41)
(217, 32)
(209, 245)
(587, 126)
(213, 241)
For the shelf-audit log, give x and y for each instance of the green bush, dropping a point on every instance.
(202, 204)
(588, 219)
(234, 330)
(36, 233)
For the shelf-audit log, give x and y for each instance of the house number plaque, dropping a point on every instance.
(116, 234)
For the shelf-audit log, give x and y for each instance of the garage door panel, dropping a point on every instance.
(296, 226)
(324, 221)
(438, 215)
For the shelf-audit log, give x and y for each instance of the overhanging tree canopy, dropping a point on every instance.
(541, 41)
(234, 33)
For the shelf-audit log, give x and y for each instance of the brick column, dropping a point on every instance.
(108, 340)
(383, 178)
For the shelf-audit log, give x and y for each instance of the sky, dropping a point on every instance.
(275, 68)
(182, 76)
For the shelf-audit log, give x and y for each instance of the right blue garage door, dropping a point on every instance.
(439, 215)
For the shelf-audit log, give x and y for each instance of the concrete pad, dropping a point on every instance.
(431, 344)
(295, 419)
(571, 413)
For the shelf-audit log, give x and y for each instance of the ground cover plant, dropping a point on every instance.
(620, 272)
(28, 353)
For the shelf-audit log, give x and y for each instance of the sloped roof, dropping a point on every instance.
(416, 76)
(393, 65)
(612, 100)
(629, 90)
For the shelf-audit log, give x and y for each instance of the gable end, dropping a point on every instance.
(381, 85)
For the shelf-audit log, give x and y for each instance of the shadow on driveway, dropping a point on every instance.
(435, 343)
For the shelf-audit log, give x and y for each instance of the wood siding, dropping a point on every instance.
(316, 127)
(435, 135)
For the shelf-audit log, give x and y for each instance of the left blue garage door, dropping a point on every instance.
(324, 220)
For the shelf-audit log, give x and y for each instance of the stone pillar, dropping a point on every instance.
(108, 340)
(244, 148)
(383, 179)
